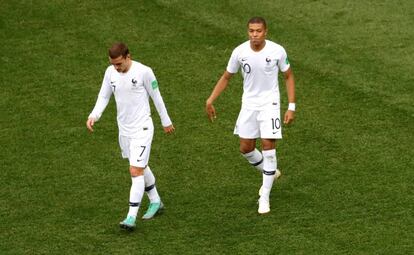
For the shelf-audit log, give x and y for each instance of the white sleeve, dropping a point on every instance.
(234, 64)
(283, 61)
(103, 98)
(151, 85)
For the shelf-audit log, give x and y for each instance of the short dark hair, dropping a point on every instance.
(118, 49)
(257, 20)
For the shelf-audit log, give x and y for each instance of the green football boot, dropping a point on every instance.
(128, 223)
(153, 209)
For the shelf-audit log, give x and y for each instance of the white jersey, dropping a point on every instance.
(260, 73)
(131, 91)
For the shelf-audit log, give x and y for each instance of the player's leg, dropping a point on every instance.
(137, 150)
(142, 147)
(156, 204)
(124, 143)
(150, 187)
(247, 129)
(256, 159)
(268, 176)
(269, 172)
(270, 129)
(250, 153)
(135, 196)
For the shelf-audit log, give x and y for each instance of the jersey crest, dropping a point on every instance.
(134, 83)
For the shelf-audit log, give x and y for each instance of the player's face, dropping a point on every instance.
(120, 63)
(257, 34)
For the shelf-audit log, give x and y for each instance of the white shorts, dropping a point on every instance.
(252, 124)
(137, 149)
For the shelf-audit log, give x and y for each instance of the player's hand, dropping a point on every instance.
(211, 111)
(170, 129)
(89, 124)
(289, 117)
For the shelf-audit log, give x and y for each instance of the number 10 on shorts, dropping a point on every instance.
(275, 124)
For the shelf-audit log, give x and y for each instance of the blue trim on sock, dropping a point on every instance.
(269, 172)
(134, 204)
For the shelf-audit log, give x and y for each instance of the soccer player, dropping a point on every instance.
(132, 83)
(260, 61)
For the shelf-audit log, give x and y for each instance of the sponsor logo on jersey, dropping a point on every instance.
(268, 60)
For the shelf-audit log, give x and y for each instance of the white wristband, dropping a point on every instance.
(292, 107)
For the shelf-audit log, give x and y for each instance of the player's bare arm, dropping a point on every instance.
(221, 85)
(290, 88)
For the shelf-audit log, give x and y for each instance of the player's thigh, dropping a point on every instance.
(247, 126)
(140, 148)
(270, 123)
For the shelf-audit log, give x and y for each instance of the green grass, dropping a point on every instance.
(347, 161)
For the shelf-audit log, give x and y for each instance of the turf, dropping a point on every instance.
(347, 161)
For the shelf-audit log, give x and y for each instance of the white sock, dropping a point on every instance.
(255, 158)
(150, 187)
(269, 170)
(135, 194)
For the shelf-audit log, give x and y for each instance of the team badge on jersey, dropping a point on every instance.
(269, 60)
(270, 65)
(134, 83)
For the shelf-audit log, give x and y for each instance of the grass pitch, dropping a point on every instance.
(347, 161)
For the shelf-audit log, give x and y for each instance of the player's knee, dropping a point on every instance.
(245, 151)
(268, 144)
(247, 145)
(246, 148)
(136, 171)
